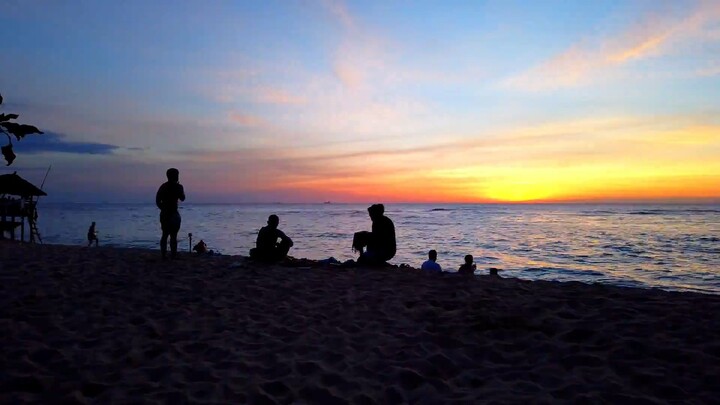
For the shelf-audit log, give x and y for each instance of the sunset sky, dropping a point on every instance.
(390, 101)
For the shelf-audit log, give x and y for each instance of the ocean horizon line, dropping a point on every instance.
(506, 203)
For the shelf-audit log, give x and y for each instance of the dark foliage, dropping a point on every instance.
(19, 131)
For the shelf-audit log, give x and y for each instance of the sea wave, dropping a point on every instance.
(565, 272)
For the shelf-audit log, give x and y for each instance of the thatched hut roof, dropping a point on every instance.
(13, 184)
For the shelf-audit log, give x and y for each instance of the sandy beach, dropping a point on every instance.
(103, 325)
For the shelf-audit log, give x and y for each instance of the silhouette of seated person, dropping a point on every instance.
(267, 247)
(378, 246)
(431, 265)
(469, 267)
(200, 248)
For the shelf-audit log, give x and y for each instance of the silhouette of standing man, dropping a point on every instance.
(167, 200)
(92, 235)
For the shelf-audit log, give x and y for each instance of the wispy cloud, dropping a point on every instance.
(360, 54)
(246, 120)
(352, 76)
(230, 91)
(363, 88)
(709, 71)
(339, 10)
(659, 33)
(276, 96)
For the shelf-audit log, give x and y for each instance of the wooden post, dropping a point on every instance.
(22, 229)
(12, 227)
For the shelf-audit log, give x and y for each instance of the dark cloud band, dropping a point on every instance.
(55, 142)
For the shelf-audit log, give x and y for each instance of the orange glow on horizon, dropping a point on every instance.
(654, 189)
(610, 160)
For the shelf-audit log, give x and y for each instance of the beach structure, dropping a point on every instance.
(18, 204)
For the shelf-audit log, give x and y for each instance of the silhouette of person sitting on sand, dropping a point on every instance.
(267, 247)
(380, 243)
(92, 235)
(431, 265)
(469, 267)
(200, 247)
(167, 200)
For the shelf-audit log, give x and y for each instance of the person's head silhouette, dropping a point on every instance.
(376, 211)
(273, 221)
(469, 260)
(173, 175)
(432, 255)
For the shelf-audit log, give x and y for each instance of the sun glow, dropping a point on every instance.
(519, 192)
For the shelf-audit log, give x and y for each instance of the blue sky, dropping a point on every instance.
(364, 101)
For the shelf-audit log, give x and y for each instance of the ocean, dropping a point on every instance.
(674, 247)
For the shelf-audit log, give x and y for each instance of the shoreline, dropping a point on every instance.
(317, 263)
(119, 324)
(602, 244)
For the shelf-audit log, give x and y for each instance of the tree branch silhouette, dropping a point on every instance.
(13, 128)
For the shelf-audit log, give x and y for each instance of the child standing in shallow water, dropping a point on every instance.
(469, 267)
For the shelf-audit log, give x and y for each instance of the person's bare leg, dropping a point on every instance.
(173, 244)
(163, 244)
(282, 250)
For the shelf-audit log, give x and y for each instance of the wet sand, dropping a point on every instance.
(103, 325)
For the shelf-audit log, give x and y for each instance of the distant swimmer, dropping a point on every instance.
(166, 199)
(469, 267)
(92, 235)
(267, 248)
(380, 244)
(431, 265)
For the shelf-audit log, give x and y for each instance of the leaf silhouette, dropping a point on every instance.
(8, 154)
(7, 117)
(19, 130)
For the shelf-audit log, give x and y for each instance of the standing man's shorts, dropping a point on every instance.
(170, 222)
